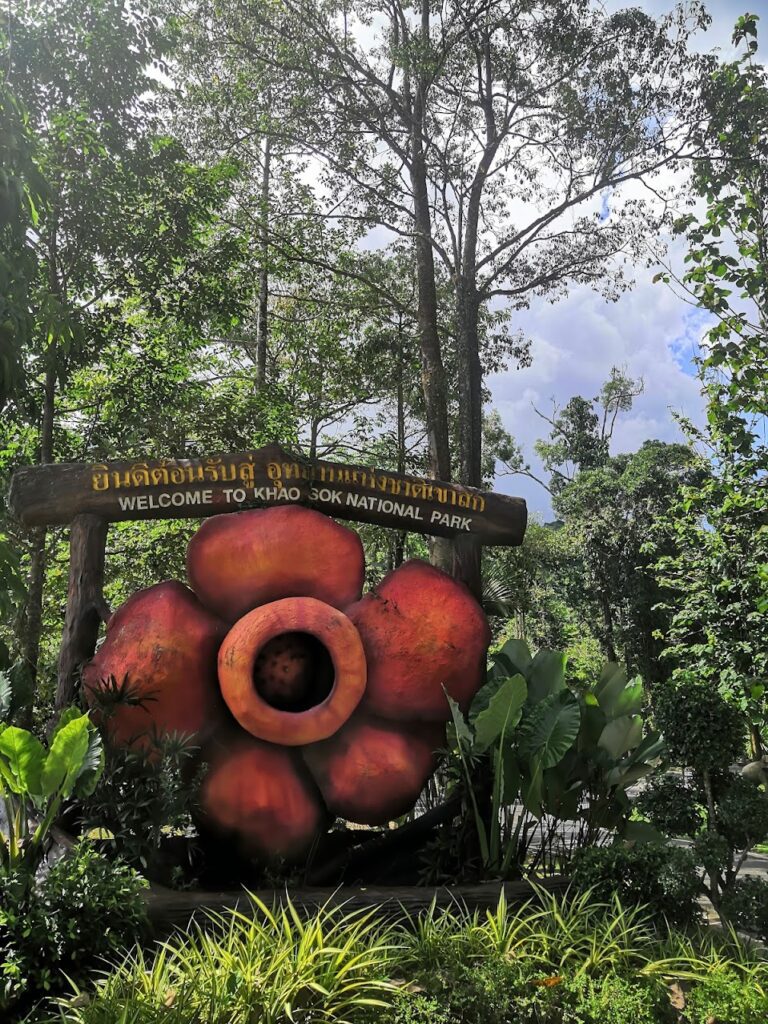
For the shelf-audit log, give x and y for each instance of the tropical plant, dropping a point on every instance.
(144, 796)
(85, 909)
(554, 755)
(35, 780)
(262, 963)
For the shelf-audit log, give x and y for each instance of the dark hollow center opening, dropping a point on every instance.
(293, 672)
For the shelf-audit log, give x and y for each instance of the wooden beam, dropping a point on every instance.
(193, 488)
(85, 602)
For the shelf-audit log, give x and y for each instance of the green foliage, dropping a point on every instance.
(559, 959)
(561, 754)
(32, 778)
(701, 728)
(265, 964)
(671, 806)
(742, 814)
(57, 931)
(745, 905)
(23, 195)
(144, 796)
(663, 877)
(716, 582)
(727, 997)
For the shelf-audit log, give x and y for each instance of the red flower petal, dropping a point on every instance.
(422, 631)
(372, 771)
(163, 645)
(261, 795)
(241, 560)
(289, 700)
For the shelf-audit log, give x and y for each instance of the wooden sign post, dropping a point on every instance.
(89, 496)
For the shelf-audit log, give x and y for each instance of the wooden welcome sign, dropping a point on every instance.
(190, 488)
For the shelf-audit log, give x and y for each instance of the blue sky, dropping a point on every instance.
(649, 331)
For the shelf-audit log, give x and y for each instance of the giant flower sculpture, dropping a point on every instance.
(309, 699)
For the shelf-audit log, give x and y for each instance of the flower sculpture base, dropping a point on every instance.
(308, 699)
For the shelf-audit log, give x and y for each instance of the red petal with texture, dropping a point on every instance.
(242, 560)
(372, 771)
(423, 633)
(163, 645)
(262, 796)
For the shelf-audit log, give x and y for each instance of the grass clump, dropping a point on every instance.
(573, 959)
(272, 966)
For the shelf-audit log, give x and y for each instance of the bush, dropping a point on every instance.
(610, 1000)
(663, 877)
(745, 904)
(266, 965)
(671, 807)
(702, 730)
(85, 909)
(143, 796)
(742, 814)
(726, 997)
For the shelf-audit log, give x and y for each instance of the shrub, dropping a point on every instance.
(663, 877)
(742, 814)
(726, 997)
(610, 1000)
(702, 730)
(671, 806)
(745, 904)
(85, 909)
(143, 796)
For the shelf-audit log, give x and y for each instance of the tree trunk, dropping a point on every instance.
(86, 608)
(262, 320)
(400, 536)
(33, 617)
(432, 369)
(467, 552)
(609, 643)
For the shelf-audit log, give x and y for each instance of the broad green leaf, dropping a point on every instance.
(531, 789)
(463, 732)
(561, 799)
(610, 685)
(621, 735)
(630, 700)
(67, 715)
(510, 773)
(651, 747)
(623, 775)
(65, 757)
(545, 675)
(593, 721)
(22, 756)
(517, 654)
(550, 729)
(502, 713)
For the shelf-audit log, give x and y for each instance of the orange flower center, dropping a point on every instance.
(292, 671)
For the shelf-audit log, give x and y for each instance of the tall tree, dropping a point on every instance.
(125, 204)
(719, 627)
(488, 136)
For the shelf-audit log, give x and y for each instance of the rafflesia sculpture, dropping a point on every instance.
(308, 699)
